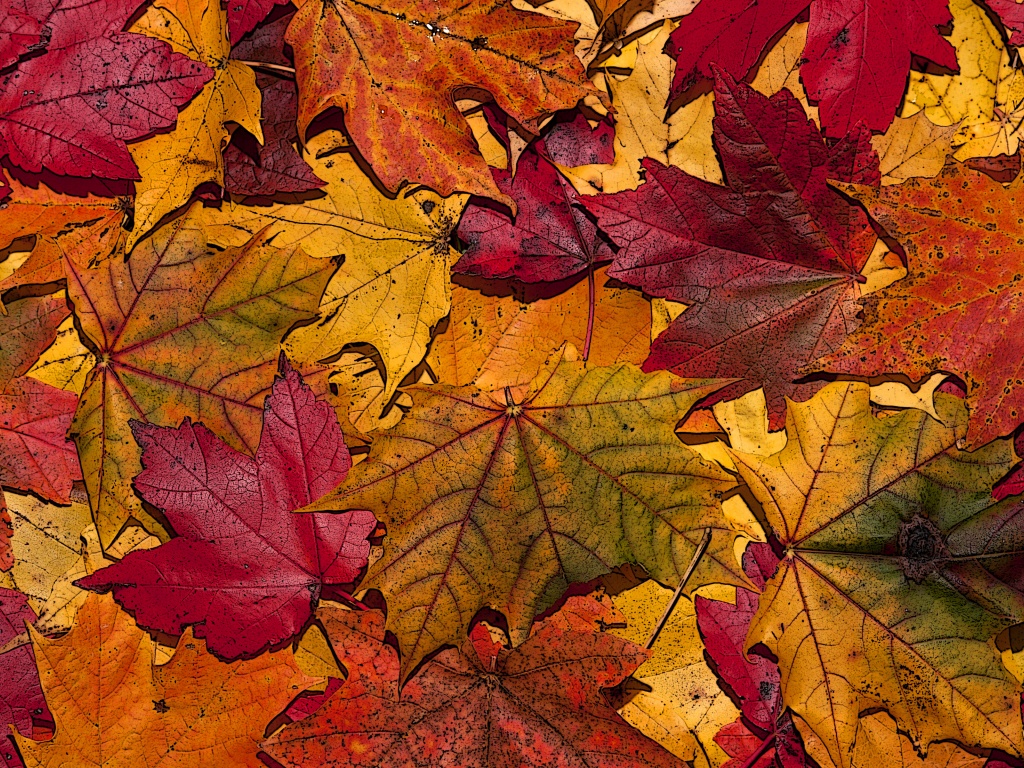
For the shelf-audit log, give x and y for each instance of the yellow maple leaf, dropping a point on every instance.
(173, 164)
(685, 707)
(393, 286)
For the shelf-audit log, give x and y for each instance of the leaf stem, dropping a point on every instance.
(768, 743)
(590, 312)
(357, 604)
(277, 69)
(701, 549)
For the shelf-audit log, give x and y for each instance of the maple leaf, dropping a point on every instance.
(243, 569)
(494, 340)
(181, 329)
(244, 15)
(35, 454)
(505, 499)
(394, 285)
(74, 107)
(879, 743)
(575, 142)
(27, 328)
(551, 239)
(21, 697)
(913, 147)
(394, 65)
(173, 164)
(276, 167)
(856, 60)
(900, 572)
(680, 705)
(192, 711)
(770, 259)
(753, 679)
(960, 301)
(86, 229)
(537, 705)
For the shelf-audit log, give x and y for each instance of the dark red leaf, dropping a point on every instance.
(763, 324)
(21, 697)
(552, 237)
(73, 108)
(770, 261)
(574, 142)
(856, 59)
(753, 679)
(244, 15)
(266, 43)
(277, 167)
(244, 569)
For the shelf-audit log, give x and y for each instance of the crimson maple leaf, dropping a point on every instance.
(274, 166)
(572, 142)
(539, 704)
(770, 260)
(552, 237)
(856, 60)
(754, 680)
(21, 696)
(1011, 13)
(35, 454)
(244, 569)
(73, 108)
(244, 15)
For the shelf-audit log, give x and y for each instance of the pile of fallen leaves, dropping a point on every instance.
(606, 383)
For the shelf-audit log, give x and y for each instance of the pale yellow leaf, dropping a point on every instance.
(913, 147)
(66, 363)
(781, 68)
(686, 706)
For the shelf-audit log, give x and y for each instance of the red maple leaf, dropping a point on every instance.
(856, 60)
(244, 15)
(21, 696)
(572, 142)
(539, 704)
(244, 569)
(552, 237)
(72, 108)
(1011, 13)
(765, 728)
(35, 454)
(770, 261)
(274, 166)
